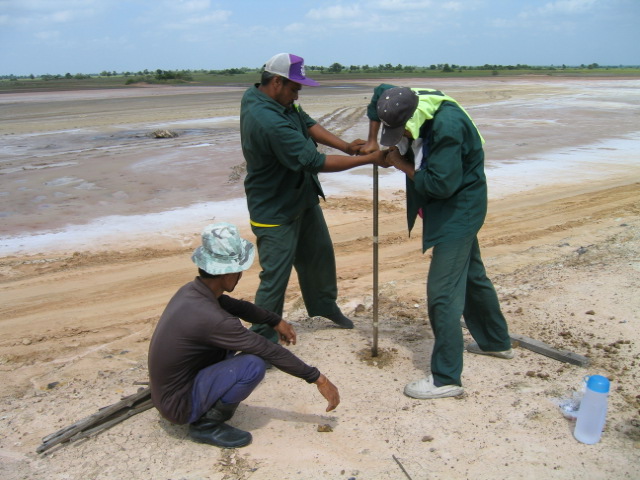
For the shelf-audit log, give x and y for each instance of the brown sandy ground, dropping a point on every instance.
(75, 330)
(75, 322)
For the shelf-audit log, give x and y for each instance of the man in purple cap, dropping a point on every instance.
(279, 143)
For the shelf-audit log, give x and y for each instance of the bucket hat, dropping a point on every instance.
(223, 250)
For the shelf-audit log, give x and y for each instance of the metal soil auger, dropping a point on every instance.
(374, 347)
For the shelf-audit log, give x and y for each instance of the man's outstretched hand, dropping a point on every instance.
(329, 391)
(286, 333)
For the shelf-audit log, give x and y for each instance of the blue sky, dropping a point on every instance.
(90, 36)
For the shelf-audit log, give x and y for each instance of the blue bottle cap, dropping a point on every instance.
(598, 383)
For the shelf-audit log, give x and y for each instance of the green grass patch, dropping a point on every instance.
(201, 78)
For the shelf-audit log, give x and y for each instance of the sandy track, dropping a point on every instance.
(84, 321)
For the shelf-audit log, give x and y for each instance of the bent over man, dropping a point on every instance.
(437, 145)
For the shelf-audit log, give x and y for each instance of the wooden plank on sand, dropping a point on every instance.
(544, 349)
(104, 419)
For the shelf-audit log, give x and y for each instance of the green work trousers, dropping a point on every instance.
(457, 286)
(304, 244)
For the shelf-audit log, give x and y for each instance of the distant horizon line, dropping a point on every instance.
(327, 69)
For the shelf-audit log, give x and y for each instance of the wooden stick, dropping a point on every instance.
(401, 467)
(120, 418)
(105, 418)
(544, 349)
(103, 413)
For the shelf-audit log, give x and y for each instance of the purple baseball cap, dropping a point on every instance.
(289, 66)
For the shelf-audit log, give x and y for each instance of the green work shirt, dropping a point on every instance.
(451, 187)
(282, 159)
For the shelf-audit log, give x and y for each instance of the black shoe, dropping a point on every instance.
(211, 429)
(219, 435)
(340, 320)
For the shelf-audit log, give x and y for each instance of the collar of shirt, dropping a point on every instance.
(266, 98)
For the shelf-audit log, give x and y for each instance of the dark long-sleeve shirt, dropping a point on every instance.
(197, 330)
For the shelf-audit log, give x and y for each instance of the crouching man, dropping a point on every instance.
(202, 361)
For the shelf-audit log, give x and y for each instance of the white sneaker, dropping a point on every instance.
(425, 388)
(474, 348)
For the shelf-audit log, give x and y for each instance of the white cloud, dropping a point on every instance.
(215, 17)
(186, 6)
(403, 5)
(218, 16)
(502, 23)
(336, 12)
(568, 6)
(48, 5)
(295, 27)
(353, 19)
(453, 6)
(41, 13)
(60, 16)
(195, 5)
(48, 35)
(561, 7)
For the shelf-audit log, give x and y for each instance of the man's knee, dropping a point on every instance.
(252, 366)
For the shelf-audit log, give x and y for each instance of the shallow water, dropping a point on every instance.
(104, 179)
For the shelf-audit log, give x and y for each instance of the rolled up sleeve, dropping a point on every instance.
(294, 151)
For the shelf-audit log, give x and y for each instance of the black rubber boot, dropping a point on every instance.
(211, 429)
(340, 320)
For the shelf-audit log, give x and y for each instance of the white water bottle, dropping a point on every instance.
(593, 410)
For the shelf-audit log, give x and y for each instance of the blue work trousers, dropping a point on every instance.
(231, 381)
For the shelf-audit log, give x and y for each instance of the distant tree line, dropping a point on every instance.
(442, 67)
(160, 75)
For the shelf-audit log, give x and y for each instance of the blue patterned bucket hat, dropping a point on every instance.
(223, 250)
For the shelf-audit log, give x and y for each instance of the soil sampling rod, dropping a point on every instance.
(374, 347)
